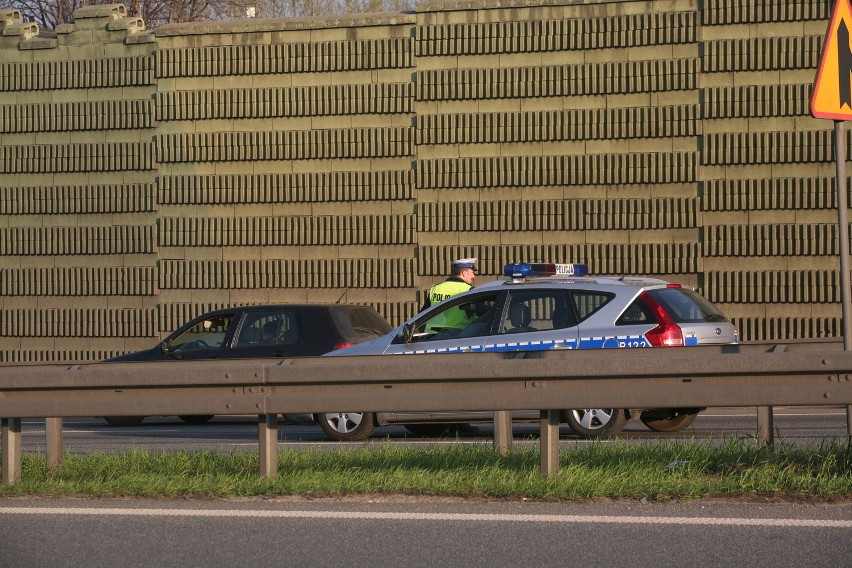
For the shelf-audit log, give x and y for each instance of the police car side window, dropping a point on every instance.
(587, 302)
(636, 313)
(468, 317)
(537, 310)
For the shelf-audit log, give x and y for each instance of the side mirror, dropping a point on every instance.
(408, 332)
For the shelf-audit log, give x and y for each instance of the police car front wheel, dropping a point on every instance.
(596, 422)
(347, 426)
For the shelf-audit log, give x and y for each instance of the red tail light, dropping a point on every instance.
(667, 333)
(343, 345)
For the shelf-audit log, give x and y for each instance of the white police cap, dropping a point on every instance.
(465, 263)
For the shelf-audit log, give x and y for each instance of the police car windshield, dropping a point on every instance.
(686, 306)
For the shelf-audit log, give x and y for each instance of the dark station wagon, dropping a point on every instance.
(248, 332)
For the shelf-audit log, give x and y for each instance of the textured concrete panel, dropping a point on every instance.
(162, 173)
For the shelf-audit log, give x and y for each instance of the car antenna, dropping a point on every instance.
(357, 277)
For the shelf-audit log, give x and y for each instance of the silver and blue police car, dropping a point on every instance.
(542, 307)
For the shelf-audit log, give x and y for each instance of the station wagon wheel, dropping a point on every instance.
(347, 426)
(428, 430)
(124, 420)
(667, 420)
(596, 422)
(197, 418)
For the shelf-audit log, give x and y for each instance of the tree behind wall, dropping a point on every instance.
(50, 13)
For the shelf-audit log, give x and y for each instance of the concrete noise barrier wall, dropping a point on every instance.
(148, 176)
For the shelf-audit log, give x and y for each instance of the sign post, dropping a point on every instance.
(832, 98)
(843, 230)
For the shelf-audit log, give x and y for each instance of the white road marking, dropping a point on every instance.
(776, 412)
(384, 516)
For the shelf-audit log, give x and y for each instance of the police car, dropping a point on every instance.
(542, 307)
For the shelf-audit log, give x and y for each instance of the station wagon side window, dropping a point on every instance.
(208, 334)
(277, 327)
(587, 302)
(537, 310)
(472, 316)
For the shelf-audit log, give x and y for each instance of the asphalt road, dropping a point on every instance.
(413, 532)
(84, 435)
(417, 531)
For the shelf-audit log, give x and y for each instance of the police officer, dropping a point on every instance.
(461, 280)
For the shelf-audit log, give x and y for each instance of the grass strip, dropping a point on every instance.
(613, 470)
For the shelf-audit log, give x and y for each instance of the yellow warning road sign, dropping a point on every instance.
(832, 96)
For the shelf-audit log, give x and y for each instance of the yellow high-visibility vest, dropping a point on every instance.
(448, 289)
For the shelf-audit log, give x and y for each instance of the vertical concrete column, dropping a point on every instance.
(267, 433)
(549, 442)
(503, 431)
(10, 438)
(53, 442)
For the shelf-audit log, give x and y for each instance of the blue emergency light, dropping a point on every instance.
(525, 269)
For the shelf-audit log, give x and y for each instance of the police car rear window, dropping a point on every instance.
(686, 306)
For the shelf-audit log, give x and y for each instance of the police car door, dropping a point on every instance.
(597, 313)
(459, 324)
(535, 320)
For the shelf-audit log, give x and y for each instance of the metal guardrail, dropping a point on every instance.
(761, 375)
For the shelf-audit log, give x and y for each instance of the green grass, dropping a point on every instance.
(615, 470)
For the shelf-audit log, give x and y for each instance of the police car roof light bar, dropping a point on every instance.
(526, 269)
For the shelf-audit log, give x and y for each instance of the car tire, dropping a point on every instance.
(668, 420)
(197, 418)
(124, 420)
(596, 422)
(347, 426)
(428, 430)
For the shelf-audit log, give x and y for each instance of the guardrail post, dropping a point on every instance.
(53, 442)
(849, 420)
(765, 426)
(549, 442)
(10, 438)
(503, 431)
(267, 434)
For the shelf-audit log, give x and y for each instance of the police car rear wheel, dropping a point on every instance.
(596, 422)
(347, 426)
(667, 420)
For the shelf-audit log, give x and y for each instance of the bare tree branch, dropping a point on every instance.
(50, 13)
